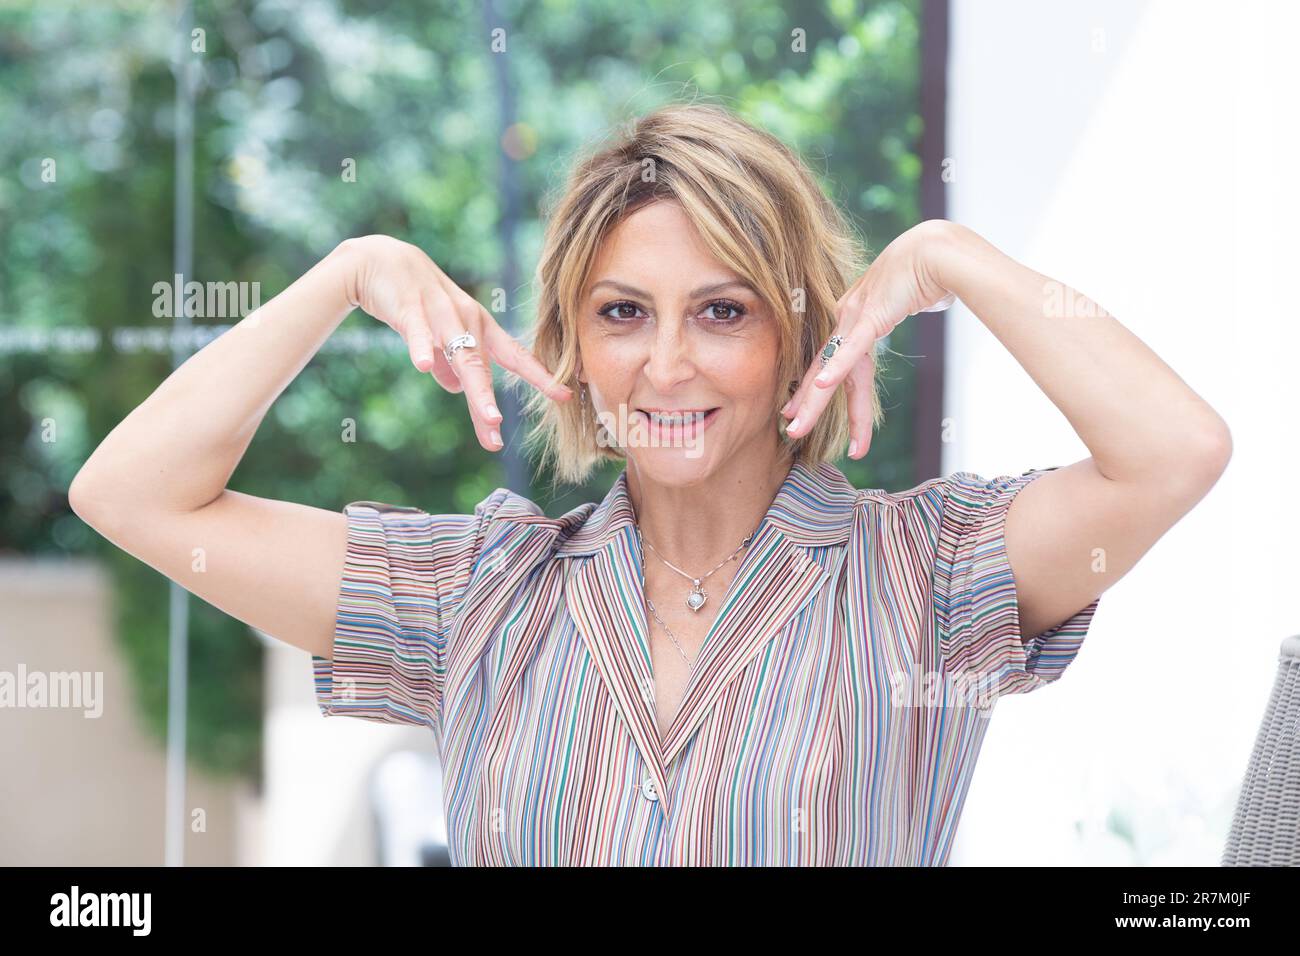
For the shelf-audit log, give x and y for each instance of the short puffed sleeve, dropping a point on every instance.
(977, 612)
(404, 572)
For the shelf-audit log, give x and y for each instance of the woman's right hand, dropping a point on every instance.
(402, 287)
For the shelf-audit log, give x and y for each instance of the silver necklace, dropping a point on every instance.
(651, 604)
(697, 596)
(671, 636)
(695, 600)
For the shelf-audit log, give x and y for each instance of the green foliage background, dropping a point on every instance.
(409, 91)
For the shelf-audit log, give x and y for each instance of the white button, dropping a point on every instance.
(648, 789)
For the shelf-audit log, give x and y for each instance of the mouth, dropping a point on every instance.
(677, 422)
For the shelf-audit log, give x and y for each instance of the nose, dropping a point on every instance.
(669, 363)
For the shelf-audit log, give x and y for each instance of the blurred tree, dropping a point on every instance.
(319, 120)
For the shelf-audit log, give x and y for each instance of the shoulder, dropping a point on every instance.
(501, 513)
(931, 488)
(958, 489)
(919, 520)
(508, 514)
(924, 503)
(506, 506)
(946, 517)
(819, 505)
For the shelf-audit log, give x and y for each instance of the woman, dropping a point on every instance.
(736, 657)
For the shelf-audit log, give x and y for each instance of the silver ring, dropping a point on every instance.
(830, 348)
(463, 341)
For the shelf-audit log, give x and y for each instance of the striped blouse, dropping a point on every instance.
(833, 716)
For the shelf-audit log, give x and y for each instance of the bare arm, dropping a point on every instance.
(1156, 446)
(157, 485)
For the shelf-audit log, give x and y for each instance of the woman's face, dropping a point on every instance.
(665, 327)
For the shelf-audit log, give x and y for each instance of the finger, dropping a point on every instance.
(424, 350)
(792, 406)
(514, 356)
(845, 310)
(447, 323)
(445, 375)
(470, 365)
(843, 325)
(818, 397)
(868, 323)
(857, 386)
(470, 314)
(847, 307)
(419, 337)
(415, 324)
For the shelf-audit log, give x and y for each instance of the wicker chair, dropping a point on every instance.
(1266, 825)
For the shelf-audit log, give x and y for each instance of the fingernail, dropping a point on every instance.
(495, 437)
(792, 426)
(785, 409)
(822, 378)
(492, 412)
(853, 448)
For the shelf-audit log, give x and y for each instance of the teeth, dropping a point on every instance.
(676, 418)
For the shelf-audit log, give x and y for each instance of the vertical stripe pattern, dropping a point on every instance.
(833, 717)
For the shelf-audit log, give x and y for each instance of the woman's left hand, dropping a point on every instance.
(898, 283)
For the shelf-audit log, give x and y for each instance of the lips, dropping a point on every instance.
(689, 422)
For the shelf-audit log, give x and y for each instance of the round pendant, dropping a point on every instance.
(695, 600)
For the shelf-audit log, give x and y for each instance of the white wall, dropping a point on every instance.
(318, 803)
(1143, 154)
(83, 782)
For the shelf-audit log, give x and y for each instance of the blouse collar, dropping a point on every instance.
(813, 508)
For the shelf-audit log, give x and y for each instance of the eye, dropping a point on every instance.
(620, 311)
(724, 311)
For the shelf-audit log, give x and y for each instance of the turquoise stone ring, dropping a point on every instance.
(831, 347)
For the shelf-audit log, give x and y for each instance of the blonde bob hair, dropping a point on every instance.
(757, 208)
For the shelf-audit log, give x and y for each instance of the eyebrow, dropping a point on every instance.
(694, 293)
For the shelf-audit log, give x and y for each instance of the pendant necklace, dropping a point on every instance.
(697, 596)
